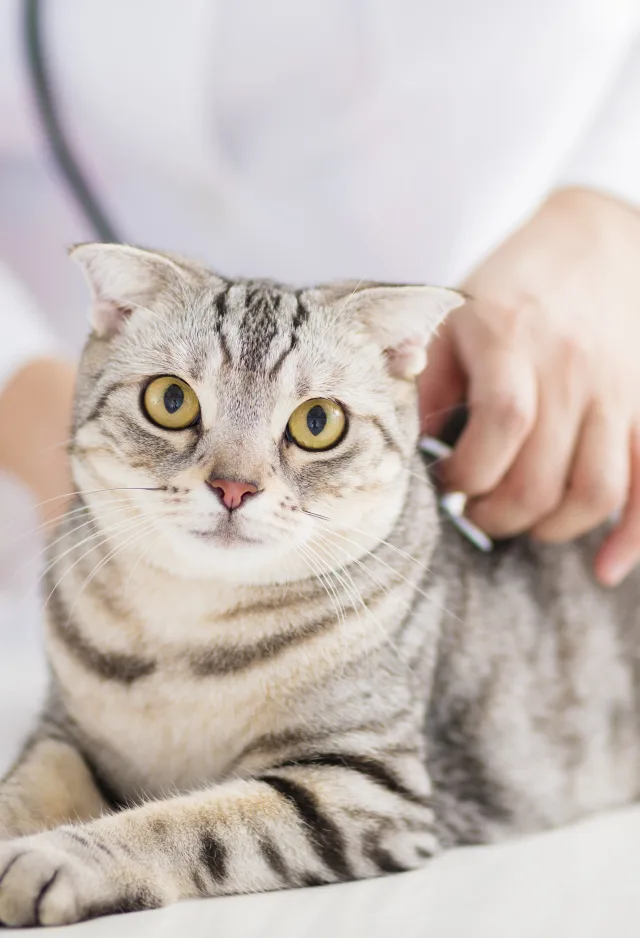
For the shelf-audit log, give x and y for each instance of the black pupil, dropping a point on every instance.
(173, 398)
(317, 419)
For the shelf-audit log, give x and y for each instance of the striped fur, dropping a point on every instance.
(330, 685)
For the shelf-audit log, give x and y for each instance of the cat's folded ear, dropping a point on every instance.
(402, 319)
(123, 278)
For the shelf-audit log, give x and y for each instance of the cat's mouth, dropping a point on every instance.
(225, 533)
(225, 540)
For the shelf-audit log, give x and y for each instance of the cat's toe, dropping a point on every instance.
(35, 886)
(43, 881)
(50, 879)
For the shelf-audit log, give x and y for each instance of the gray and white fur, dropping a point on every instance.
(325, 684)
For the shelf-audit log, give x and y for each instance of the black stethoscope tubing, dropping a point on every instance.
(44, 97)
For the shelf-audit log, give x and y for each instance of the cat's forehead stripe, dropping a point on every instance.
(260, 326)
(300, 317)
(221, 309)
(257, 326)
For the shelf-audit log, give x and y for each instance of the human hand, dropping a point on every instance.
(546, 356)
(35, 417)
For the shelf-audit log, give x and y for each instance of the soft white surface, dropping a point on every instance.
(581, 882)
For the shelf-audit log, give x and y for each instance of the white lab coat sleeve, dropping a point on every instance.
(24, 334)
(608, 158)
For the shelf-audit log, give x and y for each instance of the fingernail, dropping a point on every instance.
(612, 574)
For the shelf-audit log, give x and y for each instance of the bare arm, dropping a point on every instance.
(35, 416)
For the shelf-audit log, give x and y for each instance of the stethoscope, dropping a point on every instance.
(61, 150)
(453, 504)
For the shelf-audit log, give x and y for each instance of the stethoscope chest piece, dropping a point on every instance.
(453, 504)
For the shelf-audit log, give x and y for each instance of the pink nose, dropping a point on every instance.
(232, 494)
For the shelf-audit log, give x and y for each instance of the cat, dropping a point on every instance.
(273, 664)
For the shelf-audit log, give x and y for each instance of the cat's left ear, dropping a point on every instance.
(403, 320)
(123, 279)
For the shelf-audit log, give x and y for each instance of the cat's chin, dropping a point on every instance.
(246, 565)
(228, 534)
(227, 540)
(227, 557)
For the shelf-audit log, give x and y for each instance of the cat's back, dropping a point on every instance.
(533, 716)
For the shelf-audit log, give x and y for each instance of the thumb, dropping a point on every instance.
(441, 385)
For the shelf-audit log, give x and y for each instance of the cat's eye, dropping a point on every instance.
(317, 424)
(170, 403)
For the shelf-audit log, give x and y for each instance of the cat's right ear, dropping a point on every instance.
(402, 318)
(122, 279)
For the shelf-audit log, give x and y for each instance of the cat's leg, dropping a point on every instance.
(48, 785)
(319, 820)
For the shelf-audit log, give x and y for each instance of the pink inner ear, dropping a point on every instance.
(407, 360)
(108, 317)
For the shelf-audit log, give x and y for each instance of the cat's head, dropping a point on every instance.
(227, 429)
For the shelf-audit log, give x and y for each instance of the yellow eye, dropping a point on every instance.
(317, 424)
(171, 403)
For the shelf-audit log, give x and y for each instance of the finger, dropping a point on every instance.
(502, 413)
(534, 486)
(441, 385)
(599, 478)
(621, 550)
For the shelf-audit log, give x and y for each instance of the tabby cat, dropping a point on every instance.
(271, 664)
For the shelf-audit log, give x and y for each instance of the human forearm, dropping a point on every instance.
(35, 414)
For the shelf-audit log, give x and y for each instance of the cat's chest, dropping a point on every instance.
(171, 731)
(188, 718)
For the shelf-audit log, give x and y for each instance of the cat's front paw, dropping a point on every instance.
(65, 876)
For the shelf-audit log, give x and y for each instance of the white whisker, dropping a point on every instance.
(379, 560)
(43, 526)
(381, 540)
(143, 553)
(349, 298)
(100, 532)
(351, 591)
(329, 587)
(383, 587)
(51, 544)
(60, 445)
(123, 527)
(137, 535)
